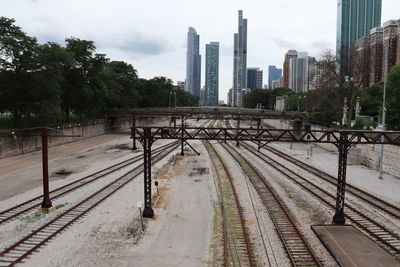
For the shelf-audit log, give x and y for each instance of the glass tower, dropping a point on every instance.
(273, 74)
(355, 19)
(193, 63)
(239, 61)
(212, 78)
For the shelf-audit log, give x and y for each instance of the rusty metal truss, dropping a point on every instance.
(272, 135)
(342, 139)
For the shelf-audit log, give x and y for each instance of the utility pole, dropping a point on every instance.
(383, 117)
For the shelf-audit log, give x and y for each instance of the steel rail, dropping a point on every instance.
(372, 200)
(296, 246)
(30, 205)
(242, 243)
(384, 237)
(39, 237)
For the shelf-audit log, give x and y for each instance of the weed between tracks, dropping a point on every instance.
(217, 242)
(34, 217)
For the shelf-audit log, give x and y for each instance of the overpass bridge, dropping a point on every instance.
(211, 113)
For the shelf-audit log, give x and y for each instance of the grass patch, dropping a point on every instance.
(33, 218)
(59, 206)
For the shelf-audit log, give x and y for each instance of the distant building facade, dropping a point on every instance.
(239, 60)
(230, 97)
(212, 73)
(298, 72)
(390, 36)
(361, 62)
(288, 56)
(259, 79)
(254, 78)
(273, 74)
(355, 19)
(181, 85)
(377, 53)
(193, 63)
(277, 83)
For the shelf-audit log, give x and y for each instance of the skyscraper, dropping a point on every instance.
(298, 73)
(273, 74)
(254, 78)
(290, 54)
(355, 19)
(239, 60)
(193, 63)
(212, 73)
(259, 79)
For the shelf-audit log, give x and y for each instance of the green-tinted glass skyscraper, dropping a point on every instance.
(355, 19)
(212, 79)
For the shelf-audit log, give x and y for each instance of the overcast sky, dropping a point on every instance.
(151, 34)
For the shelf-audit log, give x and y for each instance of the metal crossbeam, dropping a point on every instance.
(272, 135)
(343, 140)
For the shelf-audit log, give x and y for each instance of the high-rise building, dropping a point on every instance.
(298, 73)
(239, 60)
(259, 79)
(398, 43)
(229, 97)
(289, 55)
(355, 19)
(254, 78)
(212, 73)
(273, 74)
(389, 45)
(193, 63)
(376, 53)
(361, 62)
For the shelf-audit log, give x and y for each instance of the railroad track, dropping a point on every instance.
(237, 248)
(294, 243)
(387, 239)
(39, 237)
(34, 203)
(385, 207)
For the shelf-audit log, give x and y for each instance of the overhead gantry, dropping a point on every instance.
(343, 140)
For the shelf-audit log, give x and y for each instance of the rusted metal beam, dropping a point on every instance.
(344, 140)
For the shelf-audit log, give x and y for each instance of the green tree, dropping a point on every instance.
(17, 66)
(393, 99)
(121, 80)
(83, 88)
(371, 100)
(257, 96)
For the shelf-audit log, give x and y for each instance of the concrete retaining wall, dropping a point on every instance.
(16, 145)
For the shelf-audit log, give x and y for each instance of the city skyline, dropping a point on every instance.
(156, 43)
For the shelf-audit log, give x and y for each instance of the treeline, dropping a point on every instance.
(325, 105)
(52, 83)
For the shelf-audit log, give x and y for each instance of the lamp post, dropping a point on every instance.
(383, 116)
(298, 104)
(171, 93)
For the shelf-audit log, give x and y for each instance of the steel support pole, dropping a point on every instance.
(46, 204)
(182, 126)
(258, 131)
(238, 125)
(148, 210)
(343, 147)
(134, 132)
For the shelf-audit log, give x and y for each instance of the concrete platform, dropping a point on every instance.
(350, 247)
